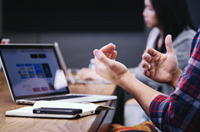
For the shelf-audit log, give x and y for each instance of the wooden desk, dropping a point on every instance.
(89, 123)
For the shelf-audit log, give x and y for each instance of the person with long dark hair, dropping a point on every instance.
(167, 17)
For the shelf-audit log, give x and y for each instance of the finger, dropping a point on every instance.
(108, 48)
(109, 51)
(152, 52)
(168, 44)
(155, 55)
(95, 52)
(146, 72)
(114, 55)
(145, 65)
(109, 55)
(146, 57)
(100, 57)
(146, 68)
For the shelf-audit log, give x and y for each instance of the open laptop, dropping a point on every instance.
(30, 71)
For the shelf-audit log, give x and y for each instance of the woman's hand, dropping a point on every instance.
(88, 74)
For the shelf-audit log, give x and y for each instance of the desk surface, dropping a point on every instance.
(20, 124)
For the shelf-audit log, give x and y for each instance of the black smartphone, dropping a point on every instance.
(48, 110)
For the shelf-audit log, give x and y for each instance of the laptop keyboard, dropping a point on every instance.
(58, 97)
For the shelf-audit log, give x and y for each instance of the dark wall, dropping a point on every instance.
(72, 15)
(194, 9)
(77, 47)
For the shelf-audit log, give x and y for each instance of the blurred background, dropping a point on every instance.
(80, 26)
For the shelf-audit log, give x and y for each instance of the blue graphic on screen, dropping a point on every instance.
(39, 70)
(22, 71)
(30, 70)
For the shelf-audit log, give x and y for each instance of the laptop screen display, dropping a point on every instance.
(31, 70)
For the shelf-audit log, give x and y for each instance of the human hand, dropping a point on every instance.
(106, 66)
(88, 74)
(161, 67)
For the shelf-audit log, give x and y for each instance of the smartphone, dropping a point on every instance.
(48, 110)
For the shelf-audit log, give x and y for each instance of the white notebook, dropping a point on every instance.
(87, 109)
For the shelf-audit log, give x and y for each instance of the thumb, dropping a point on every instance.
(101, 58)
(168, 44)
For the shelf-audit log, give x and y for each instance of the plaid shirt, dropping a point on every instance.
(180, 111)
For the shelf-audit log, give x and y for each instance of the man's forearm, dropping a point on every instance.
(141, 92)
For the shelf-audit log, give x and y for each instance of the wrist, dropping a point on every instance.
(124, 80)
(175, 78)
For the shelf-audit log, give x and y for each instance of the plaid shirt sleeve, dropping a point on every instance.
(180, 111)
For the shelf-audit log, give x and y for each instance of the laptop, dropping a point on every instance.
(30, 71)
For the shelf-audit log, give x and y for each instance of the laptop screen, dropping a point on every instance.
(31, 69)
